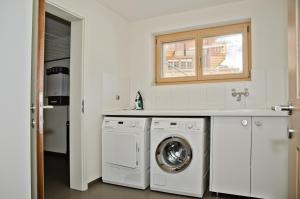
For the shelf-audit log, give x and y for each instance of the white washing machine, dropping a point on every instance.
(179, 155)
(126, 151)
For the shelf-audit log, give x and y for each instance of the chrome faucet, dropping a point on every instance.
(239, 95)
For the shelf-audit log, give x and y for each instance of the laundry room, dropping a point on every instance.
(163, 99)
(184, 111)
(186, 81)
(211, 82)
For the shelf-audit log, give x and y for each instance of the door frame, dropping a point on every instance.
(77, 155)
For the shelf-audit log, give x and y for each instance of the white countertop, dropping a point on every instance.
(193, 113)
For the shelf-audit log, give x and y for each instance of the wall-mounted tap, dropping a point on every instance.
(239, 94)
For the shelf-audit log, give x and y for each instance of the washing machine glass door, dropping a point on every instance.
(173, 154)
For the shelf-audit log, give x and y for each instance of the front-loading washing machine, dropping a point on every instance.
(179, 160)
(126, 151)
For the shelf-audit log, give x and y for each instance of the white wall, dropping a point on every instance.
(105, 37)
(114, 49)
(15, 51)
(113, 86)
(269, 56)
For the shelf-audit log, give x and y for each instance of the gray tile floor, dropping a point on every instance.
(56, 187)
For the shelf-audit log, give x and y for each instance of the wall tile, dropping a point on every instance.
(257, 89)
(276, 87)
(113, 85)
(215, 96)
(196, 98)
(231, 102)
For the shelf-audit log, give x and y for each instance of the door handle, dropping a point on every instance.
(291, 133)
(258, 123)
(48, 107)
(289, 108)
(33, 123)
(43, 107)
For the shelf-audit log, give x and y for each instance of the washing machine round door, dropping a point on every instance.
(173, 154)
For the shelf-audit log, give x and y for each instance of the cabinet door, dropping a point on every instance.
(269, 162)
(230, 155)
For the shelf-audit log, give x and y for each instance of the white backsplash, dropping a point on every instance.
(113, 86)
(263, 88)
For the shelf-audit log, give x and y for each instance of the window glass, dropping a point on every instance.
(174, 58)
(222, 54)
(204, 55)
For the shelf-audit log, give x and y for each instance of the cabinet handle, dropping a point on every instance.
(258, 123)
(244, 122)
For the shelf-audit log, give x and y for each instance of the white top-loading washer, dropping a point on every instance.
(126, 151)
(179, 155)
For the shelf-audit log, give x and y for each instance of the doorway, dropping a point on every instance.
(46, 137)
(76, 107)
(57, 98)
(76, 103)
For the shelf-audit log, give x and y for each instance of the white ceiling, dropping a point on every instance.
(134, 10)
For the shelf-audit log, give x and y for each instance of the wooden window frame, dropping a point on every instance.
(176, 37)
(198, 36)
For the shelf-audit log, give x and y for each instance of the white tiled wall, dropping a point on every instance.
(266, 89)
(268, 85)
(113, 86)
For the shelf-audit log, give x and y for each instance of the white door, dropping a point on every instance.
(294, 98)
(230, 155)
(37, 96)
(33, 94)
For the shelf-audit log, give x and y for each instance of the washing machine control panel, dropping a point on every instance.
(173, 125)
(176, 125)
(125, 124)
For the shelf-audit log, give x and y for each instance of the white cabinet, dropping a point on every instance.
(249, 156)
(230, 162)
(269, 162)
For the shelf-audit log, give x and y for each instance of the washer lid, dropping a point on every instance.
(173, 154)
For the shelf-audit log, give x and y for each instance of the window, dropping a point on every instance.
(211, 54)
